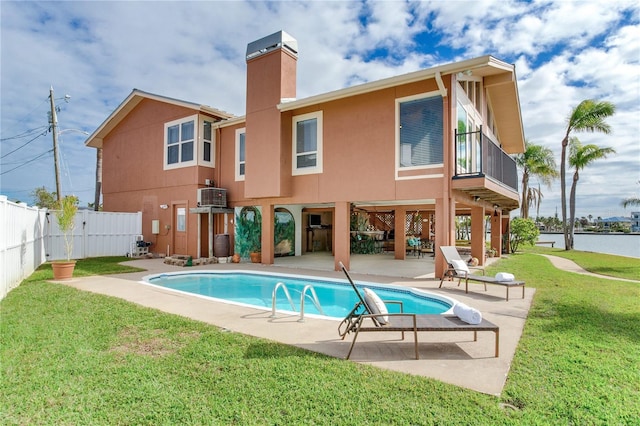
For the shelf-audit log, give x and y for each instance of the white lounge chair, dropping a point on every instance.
(458, 268)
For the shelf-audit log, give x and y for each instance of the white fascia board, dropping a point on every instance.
(420, 75)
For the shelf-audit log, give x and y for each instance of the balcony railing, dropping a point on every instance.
(477, 155)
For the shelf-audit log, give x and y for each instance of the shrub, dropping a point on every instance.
(522, 231)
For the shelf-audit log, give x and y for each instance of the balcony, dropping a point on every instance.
(484, 170)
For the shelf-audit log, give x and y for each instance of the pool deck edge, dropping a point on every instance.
(452, 357)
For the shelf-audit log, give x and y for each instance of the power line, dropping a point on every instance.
(27, 162)
(31, 112)
(24, 134)
(25, 144)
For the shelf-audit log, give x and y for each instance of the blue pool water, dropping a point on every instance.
(336, 298)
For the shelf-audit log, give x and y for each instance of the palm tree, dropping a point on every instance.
(632, 201)
(588, 116)
(581, 156)
(96, 203)
(537, 161)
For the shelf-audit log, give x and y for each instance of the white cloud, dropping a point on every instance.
(99, 51)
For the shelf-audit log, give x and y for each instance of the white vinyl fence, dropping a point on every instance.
(21, 243)
(30, 236)
(94, 234)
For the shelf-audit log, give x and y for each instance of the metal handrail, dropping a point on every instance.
(273, 298)
(314, 299)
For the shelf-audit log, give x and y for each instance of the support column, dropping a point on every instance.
(477, 234)
(210, 219)
(506, 230)
(400, 238)
(267, 234)
(445, 231)
(496, 233)
(341, 234)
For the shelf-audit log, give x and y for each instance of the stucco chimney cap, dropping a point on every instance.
(271, 42)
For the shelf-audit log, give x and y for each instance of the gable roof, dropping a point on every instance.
(134, 98)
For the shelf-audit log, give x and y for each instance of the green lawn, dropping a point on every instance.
(72, 357)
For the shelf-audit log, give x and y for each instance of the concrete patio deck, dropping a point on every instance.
(450, 357)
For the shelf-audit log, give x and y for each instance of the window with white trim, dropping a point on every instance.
(240, 153)
(420, 133)
(189, 141)
(179, 142)
(307, 143)
(207, 142)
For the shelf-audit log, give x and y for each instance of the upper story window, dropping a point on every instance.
(420, 135)
(240, 153)
(179, 140)
(189, 141)
(307, 143)
(207, 141)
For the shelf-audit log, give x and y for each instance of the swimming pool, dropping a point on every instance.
(336, 297)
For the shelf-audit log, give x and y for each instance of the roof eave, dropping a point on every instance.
(446, 69)
(135, 97)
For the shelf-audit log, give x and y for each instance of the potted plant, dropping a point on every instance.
(65, 217)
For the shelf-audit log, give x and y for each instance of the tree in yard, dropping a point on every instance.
(67, 209)
(522, 231)
(44, 199)
(588, 116)
(96, 201)
(632, 201)
(537, 161)
(581, 156)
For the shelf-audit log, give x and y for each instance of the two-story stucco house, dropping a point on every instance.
(407, 153)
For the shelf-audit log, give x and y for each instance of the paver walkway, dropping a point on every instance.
(571, 266)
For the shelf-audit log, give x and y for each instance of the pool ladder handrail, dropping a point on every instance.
(314, 299)
(274, 297)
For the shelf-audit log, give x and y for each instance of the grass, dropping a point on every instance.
(87, 267)
(71, 357)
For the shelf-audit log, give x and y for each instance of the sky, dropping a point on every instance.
(97, 52)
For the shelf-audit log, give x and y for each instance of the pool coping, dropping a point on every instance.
(449, 357)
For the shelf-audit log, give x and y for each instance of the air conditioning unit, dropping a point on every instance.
(215, 197)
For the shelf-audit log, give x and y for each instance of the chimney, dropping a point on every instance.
(271, 77)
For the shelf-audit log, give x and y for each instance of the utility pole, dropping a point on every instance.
(54, 131)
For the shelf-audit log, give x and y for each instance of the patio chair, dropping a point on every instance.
(458, 268)
(372, 308)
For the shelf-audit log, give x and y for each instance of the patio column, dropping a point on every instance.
(506, 229)
(341, 235)
(445, 231)
(496, 232)
(267, 234)
(477, 233)
(400, 239)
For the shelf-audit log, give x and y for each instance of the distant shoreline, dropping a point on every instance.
(592, 233)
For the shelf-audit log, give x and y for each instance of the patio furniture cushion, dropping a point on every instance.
(376, 306)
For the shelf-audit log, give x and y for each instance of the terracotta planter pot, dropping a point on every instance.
(63, 270)
(235, 258)
(256, 257)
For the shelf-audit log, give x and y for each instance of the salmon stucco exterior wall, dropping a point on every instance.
(335, 156)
